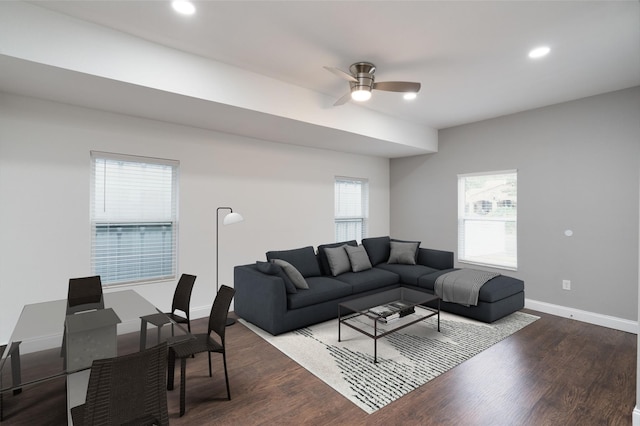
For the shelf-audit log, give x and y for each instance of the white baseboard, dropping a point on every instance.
(635, 417)
(584, 316)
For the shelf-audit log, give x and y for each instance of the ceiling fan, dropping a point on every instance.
(362, 81)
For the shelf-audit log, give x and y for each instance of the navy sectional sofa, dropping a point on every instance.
(267, 296)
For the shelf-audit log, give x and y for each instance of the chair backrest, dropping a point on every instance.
(182, 295)
(84, 294)
(128, 389)
(220, 311)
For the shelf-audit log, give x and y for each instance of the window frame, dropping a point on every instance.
(152, 227)
(482, 208)
(362, 219)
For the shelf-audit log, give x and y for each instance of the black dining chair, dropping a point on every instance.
(83, 294)
(203, 343)
(182, 300)
(128, 389)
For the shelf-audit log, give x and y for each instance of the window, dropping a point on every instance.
(351, 208)
(133, 218)
(487, 219)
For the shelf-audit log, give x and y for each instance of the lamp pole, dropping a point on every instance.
(229, 219)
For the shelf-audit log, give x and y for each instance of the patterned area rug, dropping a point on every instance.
(407, 359)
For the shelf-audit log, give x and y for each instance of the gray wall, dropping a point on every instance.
(284, 192)
(578, 167)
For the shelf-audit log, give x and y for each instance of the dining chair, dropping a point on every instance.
(83, 294)
(182, 300)
(203, 343)
(14, 354)
(128, 389)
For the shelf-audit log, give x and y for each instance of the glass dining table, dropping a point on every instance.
(35, 351)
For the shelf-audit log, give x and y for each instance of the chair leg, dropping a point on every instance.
(183, 383)
(209, 353)
(226, 376)
(171, 363)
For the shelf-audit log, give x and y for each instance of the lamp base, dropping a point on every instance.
(230, 321)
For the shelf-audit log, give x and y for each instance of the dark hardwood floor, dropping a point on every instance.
(554, 372)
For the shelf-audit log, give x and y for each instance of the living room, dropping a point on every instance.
(577, 165)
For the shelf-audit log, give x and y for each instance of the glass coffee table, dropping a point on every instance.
(380, 314)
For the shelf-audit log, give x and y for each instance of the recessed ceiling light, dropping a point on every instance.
(539, 52)
(184, 7)
(409, 96)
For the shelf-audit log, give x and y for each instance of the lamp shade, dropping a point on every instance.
(232, 218)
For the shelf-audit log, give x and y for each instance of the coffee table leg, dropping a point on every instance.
(339, 322)
(375, 341)
(438, 314)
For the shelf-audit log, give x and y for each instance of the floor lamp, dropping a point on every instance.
(229, 219)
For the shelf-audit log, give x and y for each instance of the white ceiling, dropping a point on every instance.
(470, 56)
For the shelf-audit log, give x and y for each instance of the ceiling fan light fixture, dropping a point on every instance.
(361, 95)
(183, 7)
(409, 96)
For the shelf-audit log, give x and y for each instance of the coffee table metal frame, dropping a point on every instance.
(360, 307)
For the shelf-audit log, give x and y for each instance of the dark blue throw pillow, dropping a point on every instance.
(378, 249)
(303, 259)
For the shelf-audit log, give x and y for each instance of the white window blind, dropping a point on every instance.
(351, 208)
(133, 218)
(487, 219)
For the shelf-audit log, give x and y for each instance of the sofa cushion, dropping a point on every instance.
(495, 289)
(403, 252)
(303, 259)
(273, 269)
(369, 280)
(294, 275)
(377, 248)
(437, 259)
(338, 260)
(358, 258)
(321, 289)
(322, 257)
(409, 274)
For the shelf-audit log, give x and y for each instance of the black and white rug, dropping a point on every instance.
(407, 358)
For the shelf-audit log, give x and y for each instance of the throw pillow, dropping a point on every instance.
(322, 256)
(303, 259)
(410, 241)
(358, 258)
(377, 249)
(404, 253)
(294, 275)
(273, 269)
(338, 260)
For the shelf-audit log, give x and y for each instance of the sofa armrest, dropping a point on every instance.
(260, 298)
(437, 259)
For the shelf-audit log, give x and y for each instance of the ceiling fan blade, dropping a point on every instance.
(343, 100)
(397, 86)
(342, 74)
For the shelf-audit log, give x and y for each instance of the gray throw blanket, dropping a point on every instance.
(462, 286)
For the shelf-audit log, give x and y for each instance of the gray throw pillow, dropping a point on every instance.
(273, 269)
(338, 260)
(404, 253)
(358, 258)
(294, 275)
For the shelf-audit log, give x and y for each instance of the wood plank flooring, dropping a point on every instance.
(556, 371)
